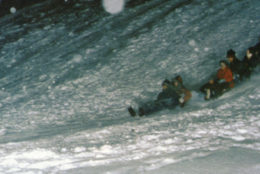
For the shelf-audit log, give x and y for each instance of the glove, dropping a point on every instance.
(236, 76)
(222, 81)
(181, 100)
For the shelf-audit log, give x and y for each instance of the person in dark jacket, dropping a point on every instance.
(167, 98)
(235, 65)
(211, 89)
(249, 61)
(167, 91)
(257, 50)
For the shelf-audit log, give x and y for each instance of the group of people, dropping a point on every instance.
(232, 71)
(175, 89)
(173, 93)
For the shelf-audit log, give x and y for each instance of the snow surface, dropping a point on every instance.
(68, 76)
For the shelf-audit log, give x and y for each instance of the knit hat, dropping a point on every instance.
(166, 82)
(223, 61)
(231, 53)
(251, 50)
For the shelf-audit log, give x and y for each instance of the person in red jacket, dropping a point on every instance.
(225, 76)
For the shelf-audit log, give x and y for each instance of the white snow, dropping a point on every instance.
(65, 90)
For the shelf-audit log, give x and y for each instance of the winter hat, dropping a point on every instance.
(251, 50)
(223, 61)
(231, 53)
(166, 82)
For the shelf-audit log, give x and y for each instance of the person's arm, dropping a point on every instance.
(219, 74)
(228, 75)
(159, 97)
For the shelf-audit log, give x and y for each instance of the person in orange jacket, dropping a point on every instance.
(225, 76)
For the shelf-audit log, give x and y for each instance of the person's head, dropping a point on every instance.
(223, 64)
(231, 54)
(211, 81)
(165, 84)
(179, 78)
(175, 82)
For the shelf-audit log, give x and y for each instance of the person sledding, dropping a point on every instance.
(250, 61)
(181, 90)
(217, 86)
(225, 76)
(211, 89)
(235, 65)
(167, 98)
(257, 51)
